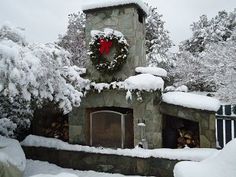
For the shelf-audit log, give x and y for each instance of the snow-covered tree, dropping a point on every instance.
(189, 71)
(34, 74)
(157, 39)
(207, 31)
(214, 69)
(219, 61)
(74, 39)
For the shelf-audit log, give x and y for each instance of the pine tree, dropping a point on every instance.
(157, 39)
(207, 31)
(74, 39)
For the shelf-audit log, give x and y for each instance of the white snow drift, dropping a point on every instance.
(220, 165)
(11, 152)
(190, 100)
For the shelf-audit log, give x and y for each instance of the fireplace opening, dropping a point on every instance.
(179, 133)
(50, 122)
(110, 127)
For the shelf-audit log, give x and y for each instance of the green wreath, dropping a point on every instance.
(101, 44)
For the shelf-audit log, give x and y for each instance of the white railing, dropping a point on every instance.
(225, 124)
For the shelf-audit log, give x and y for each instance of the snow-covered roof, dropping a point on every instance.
(152, 70)
(194, 154)
(112, 3)
(190, 100)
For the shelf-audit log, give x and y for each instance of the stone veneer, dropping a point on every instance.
(148, 110)
(103, 162)
(206, 120)
(126, 20)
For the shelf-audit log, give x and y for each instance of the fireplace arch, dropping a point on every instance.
(111, 128)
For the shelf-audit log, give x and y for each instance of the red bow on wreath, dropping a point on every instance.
(105, 46)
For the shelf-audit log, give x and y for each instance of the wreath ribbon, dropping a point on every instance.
(105, 46)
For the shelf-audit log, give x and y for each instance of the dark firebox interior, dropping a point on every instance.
(179, 133)
(50, 122)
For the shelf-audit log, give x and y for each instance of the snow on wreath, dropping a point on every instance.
(99, 49)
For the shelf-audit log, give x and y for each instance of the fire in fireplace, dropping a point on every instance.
(179, 133)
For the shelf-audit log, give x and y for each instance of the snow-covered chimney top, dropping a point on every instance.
(112, 3)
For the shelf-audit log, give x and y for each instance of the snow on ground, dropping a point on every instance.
(190, 100)
(11, 152)
(45, 169)
(111, 3)
(152, 70)
(193, 154)
(221, 165)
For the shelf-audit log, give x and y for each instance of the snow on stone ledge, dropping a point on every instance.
(152, 70)
(195, 154)
(112, 3)
(11, 152)
(145, 82)
(220, 165)
(57, 175)
(190, 100)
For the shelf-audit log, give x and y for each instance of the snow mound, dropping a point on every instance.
(182, 88)
(190, 100)
(11, 152)
(145, 82)
(152, 70)
(194, 154)
(220, 165)
(58, 175)
(112, 3)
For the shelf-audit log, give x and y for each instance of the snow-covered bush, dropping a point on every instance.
(15, 117)
(36, 73)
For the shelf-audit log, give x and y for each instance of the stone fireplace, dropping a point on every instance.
(107, 119)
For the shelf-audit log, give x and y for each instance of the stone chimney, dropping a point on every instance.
(129, 19)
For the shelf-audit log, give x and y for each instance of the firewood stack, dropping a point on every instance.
(187, 138)
(58, 129)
